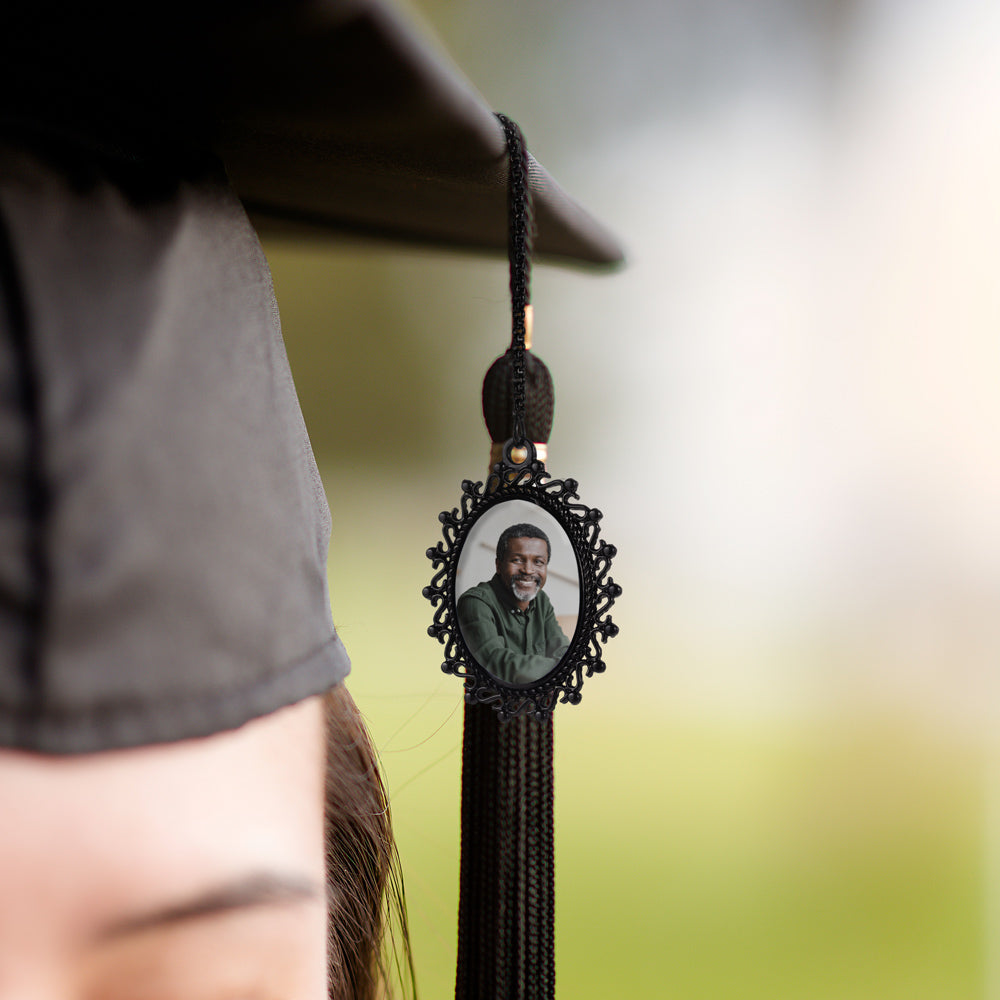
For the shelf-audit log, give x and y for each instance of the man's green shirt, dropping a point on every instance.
(515, 646)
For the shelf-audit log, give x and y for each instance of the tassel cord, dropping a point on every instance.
(520, 245)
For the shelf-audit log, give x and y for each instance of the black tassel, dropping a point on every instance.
(506, 924)
(506, 910)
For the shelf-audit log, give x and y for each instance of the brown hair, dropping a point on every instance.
(368, 942)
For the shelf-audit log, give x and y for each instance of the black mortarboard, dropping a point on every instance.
(330, 115)
(162, 527)
(342, 115)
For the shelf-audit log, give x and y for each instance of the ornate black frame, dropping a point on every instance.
(527, 480)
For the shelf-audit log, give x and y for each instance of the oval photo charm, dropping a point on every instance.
(521, 590)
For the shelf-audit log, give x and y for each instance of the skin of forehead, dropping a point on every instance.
(87, 842)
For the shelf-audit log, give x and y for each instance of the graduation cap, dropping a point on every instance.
(344, 117)
(164, 572)
(331, 116)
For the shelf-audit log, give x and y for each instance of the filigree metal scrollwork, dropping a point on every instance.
(525, 481)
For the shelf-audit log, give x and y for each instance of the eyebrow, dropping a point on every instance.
(247, 892)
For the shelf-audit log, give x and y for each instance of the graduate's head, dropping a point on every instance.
(523, 553)
(252, 862)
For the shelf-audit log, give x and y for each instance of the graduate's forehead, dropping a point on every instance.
(527, 548)
(94, 842)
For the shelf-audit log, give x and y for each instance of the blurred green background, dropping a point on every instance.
(786, 785)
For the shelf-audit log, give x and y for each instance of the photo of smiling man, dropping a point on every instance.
(508, 622)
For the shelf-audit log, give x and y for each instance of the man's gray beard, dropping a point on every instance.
(521, 594)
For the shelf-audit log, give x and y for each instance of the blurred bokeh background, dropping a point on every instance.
(787, 784)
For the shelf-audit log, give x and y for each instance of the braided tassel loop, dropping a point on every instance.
(520, 241)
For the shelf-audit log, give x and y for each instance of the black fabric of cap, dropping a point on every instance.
(332, 116)
(163, 527)
(390, 141)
